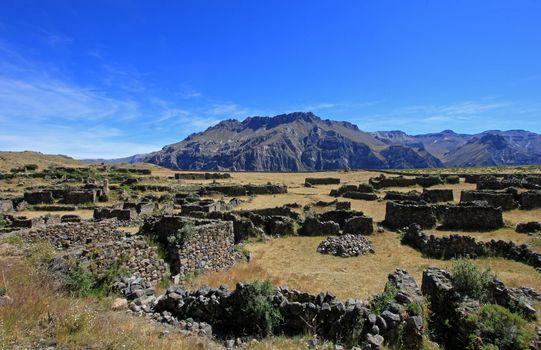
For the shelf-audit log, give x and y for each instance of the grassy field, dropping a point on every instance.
(38, 312)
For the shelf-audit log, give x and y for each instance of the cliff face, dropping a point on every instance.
(288, 142)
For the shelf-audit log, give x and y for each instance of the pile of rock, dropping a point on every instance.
(529, 227)
(346, 246)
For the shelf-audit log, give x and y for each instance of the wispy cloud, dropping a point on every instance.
(48, 98)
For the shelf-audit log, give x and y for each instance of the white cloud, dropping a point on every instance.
(43, 99)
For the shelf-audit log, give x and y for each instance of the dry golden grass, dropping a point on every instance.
(294, 261)
(74, 323)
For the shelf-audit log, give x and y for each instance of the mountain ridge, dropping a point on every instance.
(302, 141)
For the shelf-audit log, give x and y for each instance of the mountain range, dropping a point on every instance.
(301, 141)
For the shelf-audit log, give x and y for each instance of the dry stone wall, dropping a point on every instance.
(193, 245)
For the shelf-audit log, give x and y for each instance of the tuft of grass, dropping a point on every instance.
(381, 301)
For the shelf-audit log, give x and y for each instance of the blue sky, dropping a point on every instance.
(115, 78)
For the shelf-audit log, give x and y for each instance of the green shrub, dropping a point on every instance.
(254, 312)
(495, 327)
(414, 309)
(3, 221)
(83, 282)
(469, 280)
(380, 302)
(80, 280)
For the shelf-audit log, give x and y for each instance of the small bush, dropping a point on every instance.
(3, 221)
(469, 280)
(495, 327)
(414, 309)
(254, 312)
(80, 280)
(380, 302)
(83, 282)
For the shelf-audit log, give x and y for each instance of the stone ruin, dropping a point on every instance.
(126, 211)
(102, 244)
(23, 222)
(500, 182)
(193, 245)
(460, 246)
(503, 200)
(311, 181)
(208, 206)
(243, 190)
(412, 196)
(202, 176)
(402, 214)
(382, 181)
(437, 195)
(529, 227)
(346, 245)
(362, 192)
(477, 216)
(215, 311)
(39, 197)
(530, 200)
(463, 216)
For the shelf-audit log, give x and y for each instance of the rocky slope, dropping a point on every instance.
(292, 142)
(302, 141)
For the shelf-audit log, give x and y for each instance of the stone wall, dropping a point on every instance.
(103, 244)
(193, 245)
(323, 315)
(450, 309)
(402, 196)
(321, 181)
(504, 200)
(80, 197)
(437, 195)
(103, 213)
(530, 200)
(243, 190)
(202, 176)
(471, 216)
(460, 246)
(38, 197)
(401, 214)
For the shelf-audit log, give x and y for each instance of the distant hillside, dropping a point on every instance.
(10, 160)
(288, 142)
(489, 148)
(302, 141)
